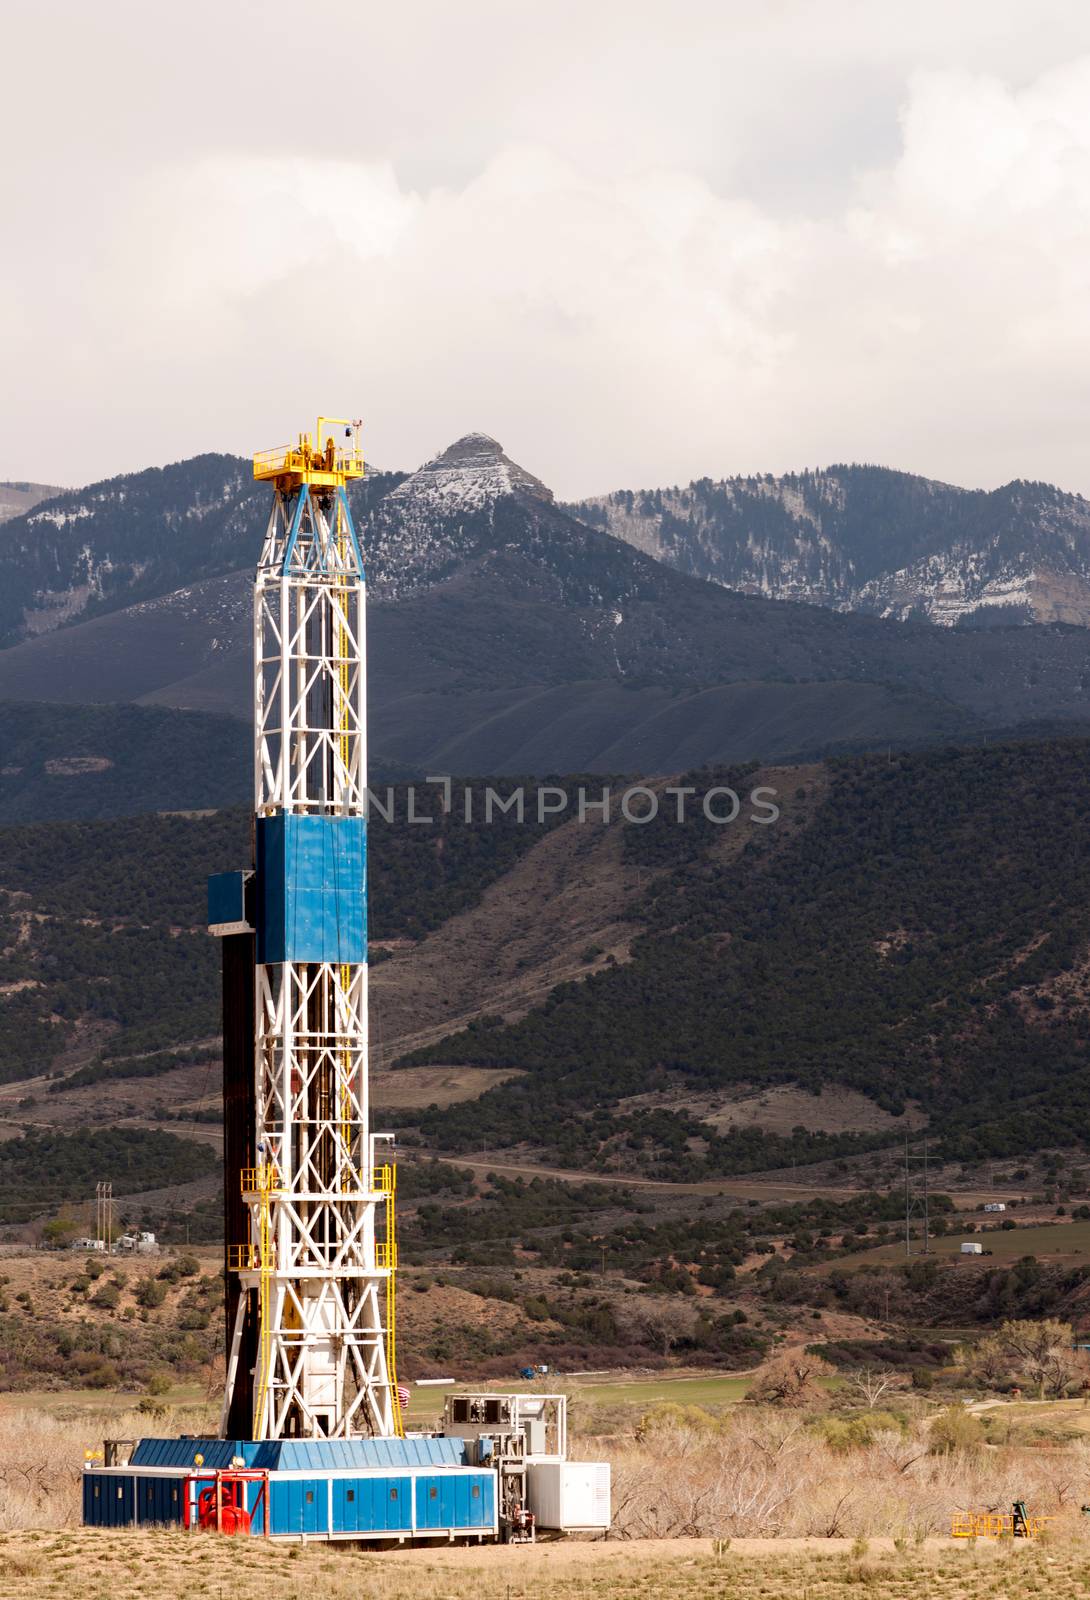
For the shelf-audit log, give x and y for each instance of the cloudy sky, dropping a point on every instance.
(636, 242)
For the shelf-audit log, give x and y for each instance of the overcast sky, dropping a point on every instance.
(637, 242)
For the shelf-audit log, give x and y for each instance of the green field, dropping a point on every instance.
(1058, 1241)
(702, 1391)
(67, 1402)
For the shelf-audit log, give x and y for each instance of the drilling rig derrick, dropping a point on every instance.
(310, 1280)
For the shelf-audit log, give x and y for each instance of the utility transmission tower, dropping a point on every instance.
(104, 1215)
(917, 1196)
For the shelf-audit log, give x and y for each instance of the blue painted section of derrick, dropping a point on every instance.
(299, 1455)
(314, 561)
(227, 897)
(342, 499)
(293, 531)
(311, 889)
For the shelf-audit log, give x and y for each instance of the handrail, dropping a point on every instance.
(992, 1525)
(262, 1179)
(295, 458)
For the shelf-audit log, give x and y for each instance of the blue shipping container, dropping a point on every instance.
(372, 1505)
(383, 1504)
(107, 1499)
(455, 1500)
(299, 1505)
(159, 1500)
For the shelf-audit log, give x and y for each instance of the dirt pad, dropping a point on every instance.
(149, 1564)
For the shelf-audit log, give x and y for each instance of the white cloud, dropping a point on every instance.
(625, 260)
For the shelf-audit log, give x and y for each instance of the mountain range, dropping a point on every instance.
(861, 538)
(511, 634)
(17, 498)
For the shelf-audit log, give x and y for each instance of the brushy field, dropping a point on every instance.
(750, 1472)
(147, 1565)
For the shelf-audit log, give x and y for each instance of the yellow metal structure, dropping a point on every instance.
(992, 1525)
(384, 1182)
(313, 459)
(262, 1181)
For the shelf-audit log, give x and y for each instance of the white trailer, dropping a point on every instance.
(569, 1496)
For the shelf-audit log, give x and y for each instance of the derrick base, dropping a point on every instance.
(496, 1472)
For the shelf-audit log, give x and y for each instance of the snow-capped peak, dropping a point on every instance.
(469, 474)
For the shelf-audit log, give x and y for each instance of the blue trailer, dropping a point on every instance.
(372, 1489)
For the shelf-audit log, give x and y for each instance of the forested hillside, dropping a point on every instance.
(913, 927)
(65, 762)
(924, 935)
(102, 923)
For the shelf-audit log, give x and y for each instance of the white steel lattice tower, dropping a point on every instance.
(319, 1261)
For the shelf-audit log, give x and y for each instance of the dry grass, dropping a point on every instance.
(798, 1517)
(769, 1474)
(41, 1459)
(146, 1565)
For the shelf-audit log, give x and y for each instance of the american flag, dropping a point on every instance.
(403, 1395)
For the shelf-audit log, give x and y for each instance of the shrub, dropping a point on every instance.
(791, 1380)
(103, 1376)
(956, 1429)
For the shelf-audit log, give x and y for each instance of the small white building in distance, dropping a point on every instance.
(143, 1244)
(996, 1205)
(968, 1248)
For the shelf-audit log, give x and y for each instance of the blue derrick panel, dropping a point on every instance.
(227, 898)
(311, 889)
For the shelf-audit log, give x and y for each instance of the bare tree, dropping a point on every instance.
(659, 1321)
(1042, 1350)
(871, 1386)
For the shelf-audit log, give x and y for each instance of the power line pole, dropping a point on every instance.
(104, 1215)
